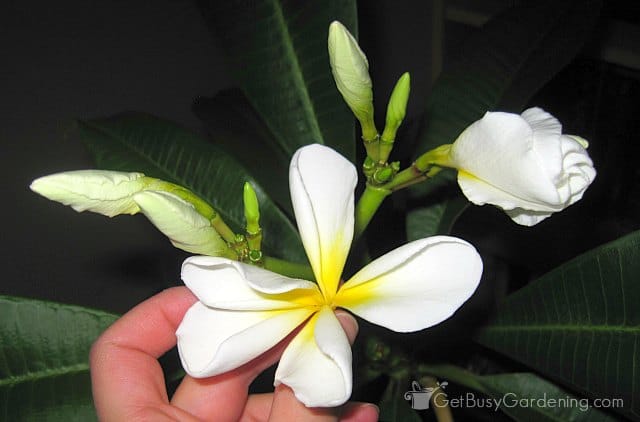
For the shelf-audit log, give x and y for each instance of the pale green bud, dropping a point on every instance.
(350, 70)
(583, 142)
(397, 107)
(105, 192)
(179, 220)
(251, 209)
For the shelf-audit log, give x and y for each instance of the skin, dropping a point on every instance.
(128, 384)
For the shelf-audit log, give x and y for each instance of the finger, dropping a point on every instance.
(359, 412)
(126, 377)
(259, 407)
(285, 405)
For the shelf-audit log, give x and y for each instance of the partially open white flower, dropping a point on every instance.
(522, 164)
(244, 310)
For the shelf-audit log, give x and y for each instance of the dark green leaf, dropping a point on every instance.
(394, 407)
(162, 149)
(437, 218)
(523, 396)
(235, 126)
(278, 53)
(501, 67)
(580, 324)
(505, 63)
(44, 360)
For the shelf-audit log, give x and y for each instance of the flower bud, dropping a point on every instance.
(251, 209)
(350, 70)
(397, 107)
(522, 164)
(105, 192)
(179, 220)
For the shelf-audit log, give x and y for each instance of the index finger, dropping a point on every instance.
(125, 374)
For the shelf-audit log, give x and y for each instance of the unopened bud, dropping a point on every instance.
(350, 70)
(397, 107)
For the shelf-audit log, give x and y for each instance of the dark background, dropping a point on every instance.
(84, 59)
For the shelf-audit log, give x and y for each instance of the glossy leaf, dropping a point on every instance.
(580, 324)
(394, 407)
(523, 396)
(44, 366)
(437, 218)
(500, 68)
(234, 125)
(278, 53)
(162, 149)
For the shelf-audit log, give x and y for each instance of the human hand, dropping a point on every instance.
(128, 383)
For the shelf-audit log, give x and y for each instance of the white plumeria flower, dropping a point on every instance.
(522, 164)
(244, 310)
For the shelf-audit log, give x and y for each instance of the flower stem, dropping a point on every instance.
(441, 407)
(289, 269)
(367, 206)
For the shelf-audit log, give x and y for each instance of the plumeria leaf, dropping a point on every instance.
(162, 149)
(580, 324)
(501, 67)
(437, 218)
(44, 359)
(541, 400)
(236, 127)
(393, 406)
(278, 52)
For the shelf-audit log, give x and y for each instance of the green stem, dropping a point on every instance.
(367, 206)
(452, 373)
(441, 407)
(289, 269)
(223, 230)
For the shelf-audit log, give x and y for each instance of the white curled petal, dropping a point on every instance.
(227, 284)
(578, 168)
(322, 186)
(499, 150)
(181, 223)
(104, 192)
(480, 192)
(527, 217)
(212, 341)
(542, 122)
(415, 286)
(317, 363)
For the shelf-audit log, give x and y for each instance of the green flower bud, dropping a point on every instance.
(181, 223)
(397, 107)
(251, 209)
(350, 70)
(105, 192)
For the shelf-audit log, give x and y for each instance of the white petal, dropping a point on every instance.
(317, 363)
(502, 151)
(415, 286)
(322, 186)
(213, 341)
(181, 223)
(480, 192)
(104, 192)
(227, 284)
